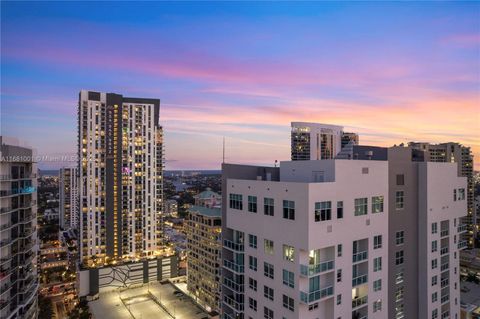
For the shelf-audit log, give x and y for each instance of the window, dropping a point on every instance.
(399, 294)
(434, 246)
(400, 179)
(377, 264)
(288, 303)
(288, 253)
(434, 263)
(252, 241)
(288, 278)
(339, 275)
(340, 209)
(434, 313)
(377, 285)
(434, 297)
(399, 257)
(339, 299)
(252, 303)
(454, 195)
(268, 292)
(399, 237)
(377, 242)
(267, 313)
(268, 270)
(252, 263)
(377, 204)
(252, 283)
(434, 280)
(461, 194)
(377, 305)
(268, 206)
(236, 201)
(339, 250)
(434, 228)
(289, 209)
(361, 206)
(323, 211)
(268, 246)
(399, 200)
(252, 204)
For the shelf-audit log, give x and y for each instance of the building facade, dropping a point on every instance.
(120, 169)
(203, 228)
(293, 251)
(18, 231)
(462, 155)
(425, 228)
(68, 184)
(372, 239)
(315, 141)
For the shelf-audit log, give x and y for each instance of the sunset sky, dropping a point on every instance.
(392, 72)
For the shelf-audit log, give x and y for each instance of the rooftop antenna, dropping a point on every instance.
(223, 150)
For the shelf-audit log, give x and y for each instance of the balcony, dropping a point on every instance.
(445, 314)
(444, 251)
(235, 305)
(360, 256)
(233, 266)
(233, 245)
(6, 226)
(444, 283)
(444, 233)
(5, 210)
(462, 244)
(316, 295)
(444, 299)
(229, 283)
(358, 302)
(444, 266)
(359, 280)
(462, 228)
(5, 242)
(310, 270)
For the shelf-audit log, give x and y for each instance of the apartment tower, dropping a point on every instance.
(120, 169)
(18, 231)
(315, 141)
(69, 212)
(203, 227)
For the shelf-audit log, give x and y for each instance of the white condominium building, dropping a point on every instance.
(311, 249)
(360, 242)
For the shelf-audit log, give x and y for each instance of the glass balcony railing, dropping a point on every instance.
(462, 244)
(462, 228)
(233, 303)
(310, 270)
(308, 297)
(363, 255)
(233, 245)
(233, 266)
(357, 302)
(444, 233)
(444, 251)
(228, 282)
(359, 280)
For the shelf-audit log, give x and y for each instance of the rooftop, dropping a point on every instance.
(154, 301)
(208, 193)
(206, 211)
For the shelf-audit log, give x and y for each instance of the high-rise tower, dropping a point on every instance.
(120, 169)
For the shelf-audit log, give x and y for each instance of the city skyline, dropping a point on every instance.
(409, 72)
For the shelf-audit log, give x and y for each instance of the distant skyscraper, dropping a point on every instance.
(121, 162)
(68, 184)
(203, 227)
(315, 141)
(462, 155)
(349, 138)
(18, 234)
